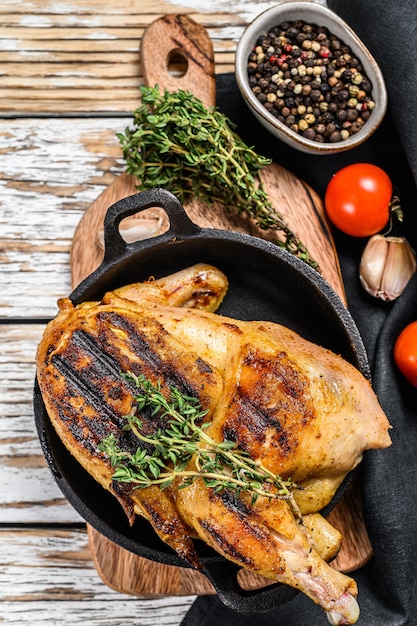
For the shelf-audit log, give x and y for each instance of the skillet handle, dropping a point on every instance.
(223, 576)
(180, 224)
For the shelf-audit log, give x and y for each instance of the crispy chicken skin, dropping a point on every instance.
(297, 408)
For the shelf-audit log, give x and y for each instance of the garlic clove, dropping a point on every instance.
(399, 267)
(134, 229)
(386, 266)
(372, 264)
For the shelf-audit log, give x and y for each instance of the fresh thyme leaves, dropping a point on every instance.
(220, 464)
(194, 151)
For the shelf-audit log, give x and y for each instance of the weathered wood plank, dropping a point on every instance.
(29, 493)
(129, 67)
(51, 170)
(71, 46)
(28, 13)
(81, 37)
(123, 611)
(47, 576)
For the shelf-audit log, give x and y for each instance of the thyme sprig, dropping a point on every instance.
(222, 465)
(178, 143)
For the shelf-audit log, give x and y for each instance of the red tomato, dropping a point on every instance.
(405, 353)
(357, 199)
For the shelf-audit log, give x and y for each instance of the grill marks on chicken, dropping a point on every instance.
(90, 398)
(269, 407)
(294, 407)
(268, 540)
(85, 371)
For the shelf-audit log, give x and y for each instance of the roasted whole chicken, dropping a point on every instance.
(293, 408)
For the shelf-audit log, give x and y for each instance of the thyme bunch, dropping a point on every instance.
(178, 143)
(220, 464)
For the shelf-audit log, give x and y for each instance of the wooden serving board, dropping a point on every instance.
(302, 210)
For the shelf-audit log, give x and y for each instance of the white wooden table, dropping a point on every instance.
(69, 77)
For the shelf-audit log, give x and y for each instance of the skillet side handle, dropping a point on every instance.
(180, 224)
(223, 576)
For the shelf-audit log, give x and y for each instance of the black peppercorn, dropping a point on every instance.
(330, 128)
(351, 115)
(347, 75)
(366, 85)
(327, 117)
(355, 126)
(335, 136)
(309, 133)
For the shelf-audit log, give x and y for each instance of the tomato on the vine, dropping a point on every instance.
(357, 199)
(405, 352)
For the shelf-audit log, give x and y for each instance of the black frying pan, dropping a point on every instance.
(266, 283)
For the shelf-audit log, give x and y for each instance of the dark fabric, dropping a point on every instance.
(387, 584)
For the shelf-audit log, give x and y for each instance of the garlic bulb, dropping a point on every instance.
(387, 265)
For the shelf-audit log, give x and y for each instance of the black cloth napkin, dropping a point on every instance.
(387, 584)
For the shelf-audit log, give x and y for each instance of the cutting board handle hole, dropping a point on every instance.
(177, 63)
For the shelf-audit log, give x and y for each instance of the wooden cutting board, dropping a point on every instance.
(179, 38)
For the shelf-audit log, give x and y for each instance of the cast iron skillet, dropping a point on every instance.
(266, 283)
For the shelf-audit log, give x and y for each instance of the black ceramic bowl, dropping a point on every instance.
(266, 283)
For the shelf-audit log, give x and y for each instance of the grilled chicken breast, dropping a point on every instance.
(296, 408)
